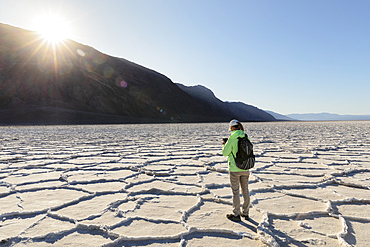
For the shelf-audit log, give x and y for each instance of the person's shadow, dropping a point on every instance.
(253, 227)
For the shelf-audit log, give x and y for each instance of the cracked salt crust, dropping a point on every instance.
(164, 186)
(15, 226)
(92, 205)
(24, 176)
(48, 198)
(318, 230)
(355, 210)
(163, 207)
(220, 240)
(357, 236)
(46, 225)
(168, 185)
(143, 227)
(101, 187)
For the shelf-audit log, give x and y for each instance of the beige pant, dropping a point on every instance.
(241, 178)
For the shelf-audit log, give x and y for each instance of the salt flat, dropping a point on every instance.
(168, 185)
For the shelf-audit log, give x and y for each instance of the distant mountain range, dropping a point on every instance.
(237, 110)
(280, 117)
(327, 117)
(72, 83)
(318, 117)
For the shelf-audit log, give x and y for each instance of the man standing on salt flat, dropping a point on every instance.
(237, 176)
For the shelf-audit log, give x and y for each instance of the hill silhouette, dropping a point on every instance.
(71, 83)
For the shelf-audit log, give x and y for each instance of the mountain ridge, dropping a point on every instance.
(72, 83)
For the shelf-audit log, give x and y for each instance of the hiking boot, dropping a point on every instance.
(246, 217)
(233, 217)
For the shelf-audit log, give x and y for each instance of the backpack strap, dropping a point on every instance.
(233, 156)
(238, 149)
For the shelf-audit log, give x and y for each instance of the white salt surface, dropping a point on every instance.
(168, 185)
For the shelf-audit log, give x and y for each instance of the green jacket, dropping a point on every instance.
(230, 148)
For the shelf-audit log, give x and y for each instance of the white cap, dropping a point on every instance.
(233, 122)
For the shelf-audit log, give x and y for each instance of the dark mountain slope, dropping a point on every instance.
(68, 83)
(35, 74)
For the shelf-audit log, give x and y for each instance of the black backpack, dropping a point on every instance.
(245, 158)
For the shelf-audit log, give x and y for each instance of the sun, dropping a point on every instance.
(52, 28)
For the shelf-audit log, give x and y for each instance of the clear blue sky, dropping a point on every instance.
(288, 56)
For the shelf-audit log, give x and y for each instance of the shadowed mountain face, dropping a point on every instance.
(69, 83)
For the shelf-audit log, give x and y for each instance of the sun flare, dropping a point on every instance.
(52, 28)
